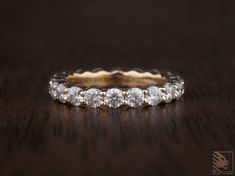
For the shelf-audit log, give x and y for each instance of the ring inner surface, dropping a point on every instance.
(104, 79)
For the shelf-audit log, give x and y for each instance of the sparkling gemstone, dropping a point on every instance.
(155, 95)
(61, 94)
(170, 92)
(114, 98)
(63, 98)
(92, 97)
(135, 97)
(179, 90)
(52, 90)
(73, 96)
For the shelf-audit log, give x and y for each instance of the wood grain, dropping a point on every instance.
(41, 137)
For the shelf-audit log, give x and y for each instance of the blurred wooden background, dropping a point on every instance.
(40, 137)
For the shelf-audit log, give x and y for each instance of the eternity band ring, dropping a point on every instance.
(116, 88)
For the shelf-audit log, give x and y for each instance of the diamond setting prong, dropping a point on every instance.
(125, 93)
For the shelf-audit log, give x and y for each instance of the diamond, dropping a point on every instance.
(73, 96)
(61, 94)
(155, 95)
(114, 98)
(63, 98)
(52, 90)
(179, 89)
(170, 91)
(135, 97)
(92, 97)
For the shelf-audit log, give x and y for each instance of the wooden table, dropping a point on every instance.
(41, 137)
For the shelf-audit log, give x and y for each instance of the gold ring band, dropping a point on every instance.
(115, 88)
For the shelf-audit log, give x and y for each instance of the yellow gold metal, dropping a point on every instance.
(66, 90)
(163, 90)
(125, 93)
(115, 79)
(102, 94)
(145, 92)
(145, 101)
(82, 93)
(125, 102)
(82, 101)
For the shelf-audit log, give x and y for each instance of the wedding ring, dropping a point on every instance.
(116, 88)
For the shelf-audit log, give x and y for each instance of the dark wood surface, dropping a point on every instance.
(39, 137)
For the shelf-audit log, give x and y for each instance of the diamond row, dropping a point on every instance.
(114, 98)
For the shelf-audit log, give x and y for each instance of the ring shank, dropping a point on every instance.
(116, 88)
(115, 79)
